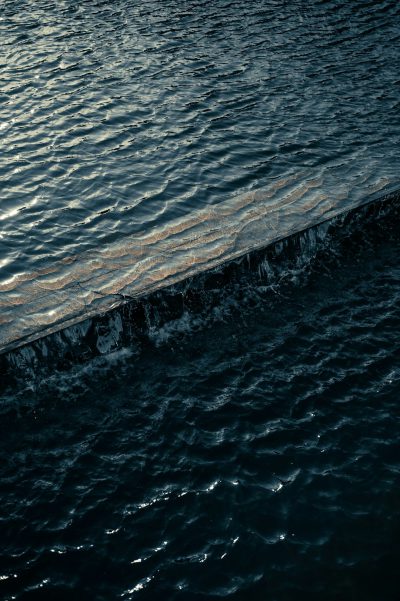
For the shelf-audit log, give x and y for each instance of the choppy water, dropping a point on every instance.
(237, 435)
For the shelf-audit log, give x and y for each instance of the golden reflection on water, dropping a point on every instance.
(75, 287)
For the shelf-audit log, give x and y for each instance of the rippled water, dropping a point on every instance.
(118, 118)
(116, 114)
(234, 435)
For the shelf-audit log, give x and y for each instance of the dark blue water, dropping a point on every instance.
(248, 452)
(235, 436)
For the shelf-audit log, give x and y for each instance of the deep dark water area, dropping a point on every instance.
(250, 452)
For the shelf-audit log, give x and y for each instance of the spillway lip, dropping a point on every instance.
(69, 293)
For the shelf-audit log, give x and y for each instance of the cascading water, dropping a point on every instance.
(132, 319)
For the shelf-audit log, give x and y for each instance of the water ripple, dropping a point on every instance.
(248, 448)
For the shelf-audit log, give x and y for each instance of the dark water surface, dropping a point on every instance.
(246, 445)
(251, 452)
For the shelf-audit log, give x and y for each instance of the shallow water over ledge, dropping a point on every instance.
(120, 320)
(65, 293)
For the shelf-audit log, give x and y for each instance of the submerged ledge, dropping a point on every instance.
(69, 291)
